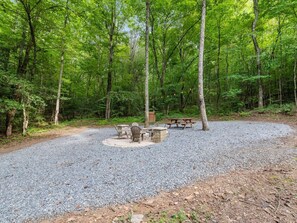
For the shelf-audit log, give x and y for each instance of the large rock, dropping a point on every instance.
(137, 218)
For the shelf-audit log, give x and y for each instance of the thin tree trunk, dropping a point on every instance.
(164, 67)
(200, 69)
(107, 110)
(25, 120)
(218, 83)
(22, 68)
(147, 63)
(9, 119)
(110, 63)
(227, 69)
(258, 52)
(28, 11)
(280, 84)
(32, 31)
(22, 46)
(57, 111)
(62, 62)
(269, 93)
(154, 47)
(295, 81)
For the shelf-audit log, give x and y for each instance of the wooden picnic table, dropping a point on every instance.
(180, 122)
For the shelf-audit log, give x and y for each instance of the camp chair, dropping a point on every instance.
(136, 133)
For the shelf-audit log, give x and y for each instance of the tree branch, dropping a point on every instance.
(181, 39)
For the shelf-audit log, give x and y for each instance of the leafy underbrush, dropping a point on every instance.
(286, 109)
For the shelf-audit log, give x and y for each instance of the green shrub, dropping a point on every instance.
(245, 114)
(287, 109)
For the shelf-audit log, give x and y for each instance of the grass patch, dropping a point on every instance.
(15, 137)
(245, 114)
(179, 217)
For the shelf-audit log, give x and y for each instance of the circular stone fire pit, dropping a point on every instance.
(126, 142)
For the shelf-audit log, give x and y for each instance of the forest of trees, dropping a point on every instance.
(65, 59)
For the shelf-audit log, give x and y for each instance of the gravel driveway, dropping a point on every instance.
(75, 172)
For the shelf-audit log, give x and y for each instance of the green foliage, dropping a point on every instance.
(102, 122)
(8, 104)
(245, 114)
(230, 79)
(233, 100)
(125, 103)
(287, 109)
(178, 217)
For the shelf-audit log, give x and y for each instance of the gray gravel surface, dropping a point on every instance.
(75, 172)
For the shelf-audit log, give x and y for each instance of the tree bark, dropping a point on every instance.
(9, 119)
(22, 46)
(57, 110)
(280, 89)
(154, 47)
(200, 69)
(258, 53)
(295, 81)
(110, 62)
(32, 31)
(22, 68)
(25, 120)
(227, 69)
(280, 84)
(218, 83)
(147, 64)
(62, 63)
(164, 65)
(28, 11)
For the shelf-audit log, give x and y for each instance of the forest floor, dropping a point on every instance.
(257, 195)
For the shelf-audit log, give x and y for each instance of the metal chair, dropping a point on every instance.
(136, 133)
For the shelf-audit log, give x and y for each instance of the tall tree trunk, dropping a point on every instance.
(280, 89)
(227, 69)
(218, 83)
(295, 81)
(154, 47)
(57, 110)
(9, 119)
(280, 84)
(25, 119)
(258, 52)
(200, 69)
(22, 46)
(28, 10)
(110, 62)
(62, 62)
(147, 63)
(163, 72)
(22, 67)
(32, 31)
